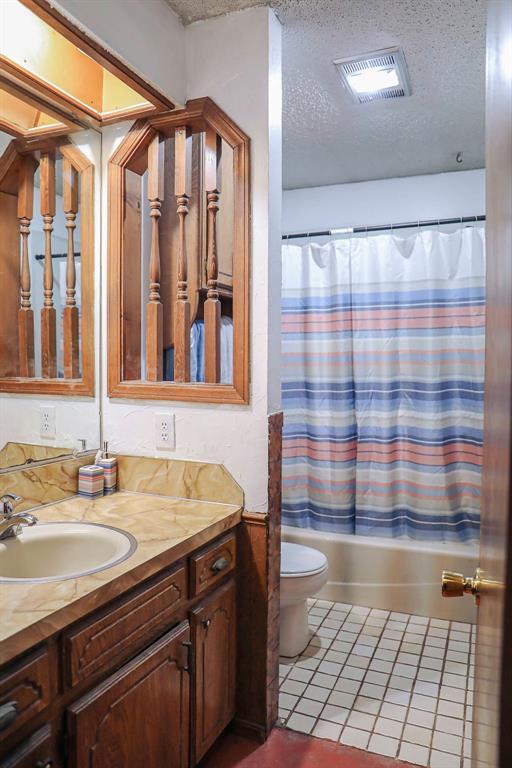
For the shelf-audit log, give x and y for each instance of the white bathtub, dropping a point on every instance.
(391, 574)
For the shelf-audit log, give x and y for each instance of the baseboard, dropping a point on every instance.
(248, 730)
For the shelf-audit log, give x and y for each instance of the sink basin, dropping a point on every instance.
(56, 551)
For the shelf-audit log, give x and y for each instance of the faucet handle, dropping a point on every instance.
(7, 503)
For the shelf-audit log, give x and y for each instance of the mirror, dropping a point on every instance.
(58, 89)
(49, 305)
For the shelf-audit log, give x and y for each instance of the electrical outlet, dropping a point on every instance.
(47, 420)
(164, 431)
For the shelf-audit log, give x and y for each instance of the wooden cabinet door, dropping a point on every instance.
(140, 716)
(214, 636)
(35, 752)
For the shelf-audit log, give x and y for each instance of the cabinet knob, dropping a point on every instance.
(8, 714)
(44, 763)
(220, 564)
(206, 623)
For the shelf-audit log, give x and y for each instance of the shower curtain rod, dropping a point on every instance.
(384, 227)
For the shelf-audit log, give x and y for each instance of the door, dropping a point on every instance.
(139, 717)
(492, 732)
(214, 633)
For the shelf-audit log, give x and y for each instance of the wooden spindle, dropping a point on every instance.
(154, 308)
(25, 312)
(48, 316)
(212, 307)
(70, 316)
(182, 189)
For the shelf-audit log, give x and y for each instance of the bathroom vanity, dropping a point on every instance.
(130, 666)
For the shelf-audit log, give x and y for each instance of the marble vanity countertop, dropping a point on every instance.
(166, 529)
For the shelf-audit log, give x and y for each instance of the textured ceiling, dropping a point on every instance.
(195, 10)
(327, 139)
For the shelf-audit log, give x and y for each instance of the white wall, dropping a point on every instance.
(148, 35)
(386, 201)
(236, 61)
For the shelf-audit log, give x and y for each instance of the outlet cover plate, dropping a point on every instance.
(165, 436)
(47, 421)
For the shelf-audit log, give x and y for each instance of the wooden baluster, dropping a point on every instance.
(182, 189)
(154, 308)
(25, 312)
(70, 318)
(48, 317)
(212, 308)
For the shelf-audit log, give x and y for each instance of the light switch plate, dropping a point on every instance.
(47, 419)
(165, 436)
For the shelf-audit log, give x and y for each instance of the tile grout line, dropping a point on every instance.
(362, 623)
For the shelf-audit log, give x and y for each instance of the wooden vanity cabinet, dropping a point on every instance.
(147, 681)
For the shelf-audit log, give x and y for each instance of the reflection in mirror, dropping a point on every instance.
(73, 80)
(46, 201)
(49, 220)
(18, 454)
(42, 340)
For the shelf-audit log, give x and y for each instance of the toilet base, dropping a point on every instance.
(294, 635)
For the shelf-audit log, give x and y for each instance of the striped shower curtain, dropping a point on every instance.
(382, 382)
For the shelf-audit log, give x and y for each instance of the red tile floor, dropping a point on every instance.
(286, 749)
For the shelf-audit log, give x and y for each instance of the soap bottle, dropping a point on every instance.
(109, 465)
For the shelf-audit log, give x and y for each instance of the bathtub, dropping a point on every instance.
(394, 575)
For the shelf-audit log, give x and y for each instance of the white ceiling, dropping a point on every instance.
(327, 139)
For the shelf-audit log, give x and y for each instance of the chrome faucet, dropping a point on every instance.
(11, 521)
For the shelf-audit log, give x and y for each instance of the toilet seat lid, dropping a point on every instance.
(298, 560)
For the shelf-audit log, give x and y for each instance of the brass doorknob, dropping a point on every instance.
(457, 585)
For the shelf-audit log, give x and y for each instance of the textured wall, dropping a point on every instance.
(236, 61)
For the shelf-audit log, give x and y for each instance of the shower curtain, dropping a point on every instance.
(382, 383)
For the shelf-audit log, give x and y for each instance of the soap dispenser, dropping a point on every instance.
(109, 465)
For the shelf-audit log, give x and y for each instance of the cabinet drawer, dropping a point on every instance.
(35, 752)
(25, 690)
(211, 564)
(124, 629)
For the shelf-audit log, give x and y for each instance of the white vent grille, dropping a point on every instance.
(388, 64)
(389, 93)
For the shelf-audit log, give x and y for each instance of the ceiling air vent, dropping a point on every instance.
(375, 76)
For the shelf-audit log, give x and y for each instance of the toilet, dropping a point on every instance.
(303, 574)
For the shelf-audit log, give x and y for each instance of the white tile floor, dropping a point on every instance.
(390, 683)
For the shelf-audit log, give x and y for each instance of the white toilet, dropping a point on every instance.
(303, 574)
